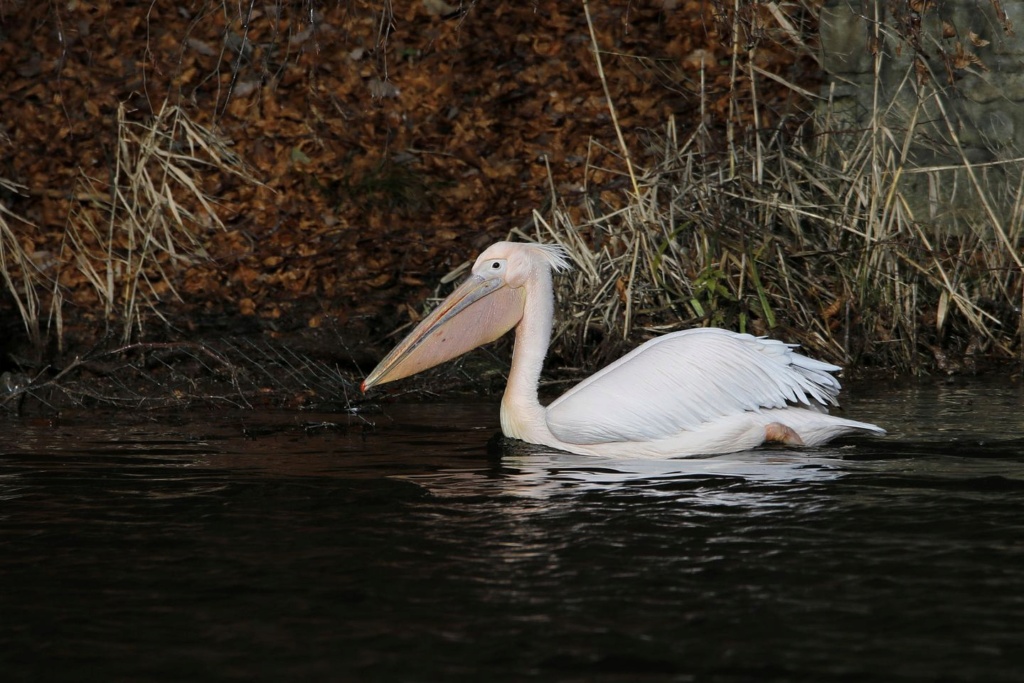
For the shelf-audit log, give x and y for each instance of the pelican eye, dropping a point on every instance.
(497, 266)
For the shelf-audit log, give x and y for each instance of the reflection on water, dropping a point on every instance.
(409, 545)
(544, 473)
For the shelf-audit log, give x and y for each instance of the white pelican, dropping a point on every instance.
(696, 392)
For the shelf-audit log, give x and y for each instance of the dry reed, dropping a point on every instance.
(811, 235)
(24, 277)
(153, 213)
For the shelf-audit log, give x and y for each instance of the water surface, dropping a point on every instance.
(403, 545)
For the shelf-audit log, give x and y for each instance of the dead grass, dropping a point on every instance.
(816, 235)
(128, 233)
(23, 276)
(813, 233)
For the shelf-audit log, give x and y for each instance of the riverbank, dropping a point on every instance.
(215, 202)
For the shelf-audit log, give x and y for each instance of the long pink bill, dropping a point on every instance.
(478, 312)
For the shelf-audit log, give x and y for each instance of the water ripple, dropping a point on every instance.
(281, 546)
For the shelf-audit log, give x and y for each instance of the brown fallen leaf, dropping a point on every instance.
(977, 40)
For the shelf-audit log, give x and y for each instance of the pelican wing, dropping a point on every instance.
(683, 380)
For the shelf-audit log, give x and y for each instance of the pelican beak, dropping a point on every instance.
(479, 311)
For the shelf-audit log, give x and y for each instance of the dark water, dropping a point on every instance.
(290, 546)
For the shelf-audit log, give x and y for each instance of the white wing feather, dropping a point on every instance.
(683, 380)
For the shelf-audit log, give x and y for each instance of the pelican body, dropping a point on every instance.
(696, 392)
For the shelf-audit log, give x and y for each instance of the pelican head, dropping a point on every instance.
(487, 305)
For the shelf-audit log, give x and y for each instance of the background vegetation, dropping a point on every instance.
(258, 194)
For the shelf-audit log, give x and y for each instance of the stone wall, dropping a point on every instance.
(951, 72)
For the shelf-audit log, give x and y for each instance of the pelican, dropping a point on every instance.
(700, 391)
